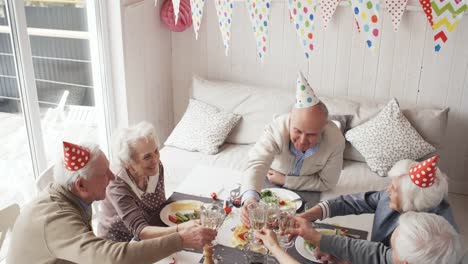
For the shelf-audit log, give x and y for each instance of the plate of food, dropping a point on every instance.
(283, 197)
(306, 249)
(240, 236)
(180, 212)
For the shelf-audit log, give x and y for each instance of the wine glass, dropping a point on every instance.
(257, 217)
(286, 220)
(212, 216)
(272, 214)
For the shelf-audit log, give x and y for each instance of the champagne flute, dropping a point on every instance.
(286, 220)
(272, 215)
(257, 217)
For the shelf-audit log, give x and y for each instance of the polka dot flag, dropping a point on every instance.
(327, 9)
(75, 157)
(197, 14)
(303, 13)
(426, 5)
(445, 17)
(259, 12)
(367, 16)
(396, 8)
(224, 11)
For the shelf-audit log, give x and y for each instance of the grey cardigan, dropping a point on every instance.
(356, 250)
(385, 219)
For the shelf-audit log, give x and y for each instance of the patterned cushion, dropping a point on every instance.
(202, 128)
(388, 138)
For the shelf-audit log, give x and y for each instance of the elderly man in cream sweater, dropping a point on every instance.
(302, 150)
(56, 226)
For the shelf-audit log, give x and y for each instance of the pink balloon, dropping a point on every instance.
(185, 16)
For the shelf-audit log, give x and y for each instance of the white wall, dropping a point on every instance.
(141, 57)
(405, 67)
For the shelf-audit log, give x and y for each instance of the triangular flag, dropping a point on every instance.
(327, 9)
(445, 14)
(367, 17)
(396, 8)
(426, 5)
(197, 14)
(259, 12)
(175, 5)
(303, 13)
(224, 12)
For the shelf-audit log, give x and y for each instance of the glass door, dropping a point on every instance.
(54, 46)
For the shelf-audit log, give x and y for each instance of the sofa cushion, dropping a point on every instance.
(256, 105)
(430, 123)
(356, 177)
(341, 121)
(202, 128)
(387, 138)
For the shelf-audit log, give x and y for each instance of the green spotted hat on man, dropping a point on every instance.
(305, 96)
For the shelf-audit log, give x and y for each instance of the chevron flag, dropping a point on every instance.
(445, 14)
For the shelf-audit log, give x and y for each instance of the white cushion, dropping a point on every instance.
(388, 138)
(256, 105)
(356, 177)
(202, 128)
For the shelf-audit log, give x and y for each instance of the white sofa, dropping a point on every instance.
(259, 105)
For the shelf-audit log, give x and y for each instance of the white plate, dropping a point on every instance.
(166, 211)
(286, 194)
(304, 250)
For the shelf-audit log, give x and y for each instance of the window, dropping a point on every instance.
(51, 87)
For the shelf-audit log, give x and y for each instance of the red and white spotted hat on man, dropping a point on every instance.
(75, 157)
(423, 174)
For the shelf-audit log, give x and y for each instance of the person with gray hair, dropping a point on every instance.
(136, 196)
(302, 150)
(419, 187)
(419, 238)
(56, 226)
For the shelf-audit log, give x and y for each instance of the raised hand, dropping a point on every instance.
(197, 237)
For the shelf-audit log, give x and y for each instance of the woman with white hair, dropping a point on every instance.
(419, 238)
(419, 187)
(134, 199)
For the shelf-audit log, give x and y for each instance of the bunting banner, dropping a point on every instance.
(259, 11)
(426, 5)
(197, 14)
(327, 9)
(367, 16)
(224, 11)
(396, 8)
(445, 16)
(303, 13)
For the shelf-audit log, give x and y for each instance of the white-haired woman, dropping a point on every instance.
(134, 199)
(419, 187)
